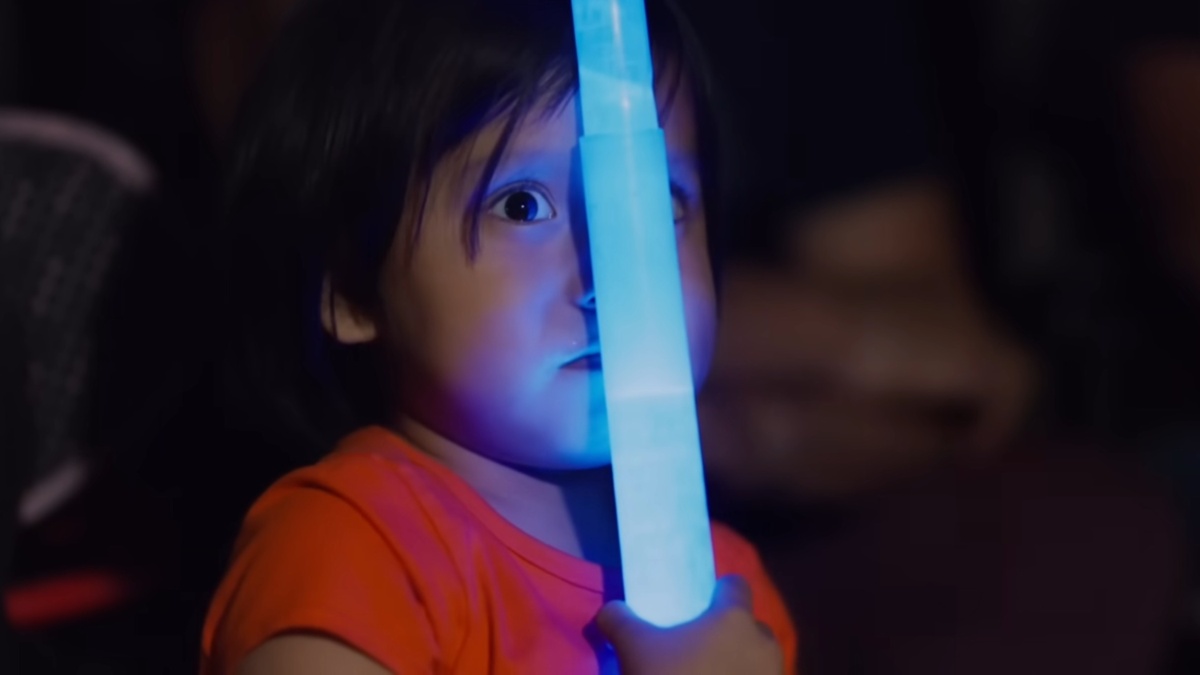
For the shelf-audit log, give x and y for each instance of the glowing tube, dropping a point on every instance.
(666, 544)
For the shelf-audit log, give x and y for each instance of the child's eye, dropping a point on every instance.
(523, 205)
(678, 208)
(680, 205)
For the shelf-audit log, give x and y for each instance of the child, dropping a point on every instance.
(414, 266)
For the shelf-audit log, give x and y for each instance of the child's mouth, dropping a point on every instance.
(589, 360)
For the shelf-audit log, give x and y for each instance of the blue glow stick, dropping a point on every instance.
(666, 542)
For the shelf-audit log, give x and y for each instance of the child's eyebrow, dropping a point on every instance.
(545, 163)
(538, 163)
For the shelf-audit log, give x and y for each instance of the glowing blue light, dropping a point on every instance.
(666, 543)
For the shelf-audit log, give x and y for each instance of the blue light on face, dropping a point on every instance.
(666, 543)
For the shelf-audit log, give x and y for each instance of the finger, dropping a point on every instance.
(616, 620)
(732, 592)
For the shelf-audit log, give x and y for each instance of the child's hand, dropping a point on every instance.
(725, 640)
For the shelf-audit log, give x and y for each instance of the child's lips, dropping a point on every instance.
(589, 359)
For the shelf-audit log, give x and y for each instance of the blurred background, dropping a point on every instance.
(957, 397)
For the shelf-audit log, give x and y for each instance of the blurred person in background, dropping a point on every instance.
(853, 224)
(874, 410)
(879, 410)
(1109, 115)
(892, 366)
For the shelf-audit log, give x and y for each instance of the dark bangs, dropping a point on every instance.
(333, 154)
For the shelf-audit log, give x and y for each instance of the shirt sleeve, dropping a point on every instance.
(737, 556)
(309, 561)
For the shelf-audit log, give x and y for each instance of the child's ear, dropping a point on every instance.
(343, 321)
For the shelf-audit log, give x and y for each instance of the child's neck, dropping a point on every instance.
(572, 511)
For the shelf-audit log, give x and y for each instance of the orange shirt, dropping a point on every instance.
(388, 551)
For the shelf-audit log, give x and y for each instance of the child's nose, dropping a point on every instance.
(587, 301)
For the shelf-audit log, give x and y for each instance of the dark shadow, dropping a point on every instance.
(16, 447)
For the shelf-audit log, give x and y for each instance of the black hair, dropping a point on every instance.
(353, 108)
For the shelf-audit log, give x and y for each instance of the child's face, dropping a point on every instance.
(496, 352)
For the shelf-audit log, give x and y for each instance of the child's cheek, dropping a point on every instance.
(699, 299)
(701, 314)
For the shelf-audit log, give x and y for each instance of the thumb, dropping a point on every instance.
(617, 621)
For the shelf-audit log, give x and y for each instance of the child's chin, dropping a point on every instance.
(569, 445)
(575, 456)
(580, 460)
(578, 447)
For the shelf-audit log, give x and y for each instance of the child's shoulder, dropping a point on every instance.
(351, 473)
(351, 547)
(370, 484)
(371, 467)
